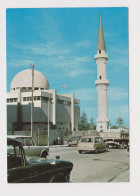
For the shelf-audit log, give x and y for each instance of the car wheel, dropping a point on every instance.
(106, 149)
(96, 151)
(44, 154)
(80, 151)
(127, 148)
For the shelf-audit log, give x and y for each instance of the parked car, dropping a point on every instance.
(113, 143)
(24, 170)
(92, 144)
(30, 147)
(127, 147)
(73, 141)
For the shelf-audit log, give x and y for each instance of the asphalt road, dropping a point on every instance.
(111, 166)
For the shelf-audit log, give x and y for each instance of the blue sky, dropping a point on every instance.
(62, 42)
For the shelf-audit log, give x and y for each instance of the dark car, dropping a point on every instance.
(21, 169)
(128, 147)
(73, 141)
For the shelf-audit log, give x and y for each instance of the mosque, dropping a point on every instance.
(61, 112)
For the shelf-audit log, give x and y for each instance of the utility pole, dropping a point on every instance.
(48, 121)
(32, 105)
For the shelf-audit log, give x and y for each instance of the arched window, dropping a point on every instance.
(99, 51)
(100, 77)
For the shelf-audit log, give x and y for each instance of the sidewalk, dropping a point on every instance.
(123, 177)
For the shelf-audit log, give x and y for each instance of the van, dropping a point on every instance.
(91, 144)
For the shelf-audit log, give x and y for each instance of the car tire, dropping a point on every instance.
(44, 154)
(80, 151)
(96, 151)
(127, 148)
(106, 149)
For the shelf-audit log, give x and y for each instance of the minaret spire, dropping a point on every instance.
(100, 42)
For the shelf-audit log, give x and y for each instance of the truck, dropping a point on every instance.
(116, 137)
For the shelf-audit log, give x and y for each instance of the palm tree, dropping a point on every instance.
(120, 121)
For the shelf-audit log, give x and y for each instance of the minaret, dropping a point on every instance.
(102, 83)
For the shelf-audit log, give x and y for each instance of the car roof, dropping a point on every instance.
(75, 136)
(11, 141)
(18, 136)
(90, 136)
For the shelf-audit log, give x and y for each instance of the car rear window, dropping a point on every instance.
(87, 140)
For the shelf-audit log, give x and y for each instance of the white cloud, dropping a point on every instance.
(74, 73)
(117, 93)
(21, 63)
(119, 62)
(85, 94)
(82, 59)
(118, 55)
(44, 49)
(83, 44)
(119, 49)
(115, 111)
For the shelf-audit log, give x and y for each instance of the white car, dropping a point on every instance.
(91, 144)
(30, 147)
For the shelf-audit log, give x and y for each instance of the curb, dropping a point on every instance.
(123, 177)
(57, 146)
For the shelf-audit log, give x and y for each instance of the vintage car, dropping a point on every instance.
(127, 147)
(73, 141)
(24, 170)
(30, 147)
(91, 144)
(113, 143)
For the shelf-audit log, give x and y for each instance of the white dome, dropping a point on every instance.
(24, 80)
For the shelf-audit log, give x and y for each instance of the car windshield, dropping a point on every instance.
(72, 139)
(87, 140)
(26, 141)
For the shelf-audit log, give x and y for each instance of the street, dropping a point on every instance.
(102, 167)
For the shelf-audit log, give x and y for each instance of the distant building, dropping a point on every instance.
(63, 113)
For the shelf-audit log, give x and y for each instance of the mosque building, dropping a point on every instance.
(62, 111)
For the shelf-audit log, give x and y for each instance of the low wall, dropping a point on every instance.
(40, 137)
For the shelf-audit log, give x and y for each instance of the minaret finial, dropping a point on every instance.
(100, 42)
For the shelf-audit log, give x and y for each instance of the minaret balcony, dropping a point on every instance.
(101, 56)
(103, 81)
(102, 120)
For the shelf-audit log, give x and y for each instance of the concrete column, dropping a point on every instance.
(54, 107)
(72, 112)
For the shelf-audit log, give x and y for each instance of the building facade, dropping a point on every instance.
(62, 112)
(101, 83)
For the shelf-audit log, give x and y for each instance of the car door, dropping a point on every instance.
(99, 144)
(19, 170)
(102, 144)
(21, 174)
(30, 147)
